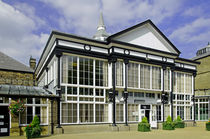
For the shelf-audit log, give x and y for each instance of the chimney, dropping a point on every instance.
(32, 63)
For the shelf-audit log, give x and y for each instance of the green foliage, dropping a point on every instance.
(33, 130)
(28, 130)
(208, 125)
(16, 107)
(168, 124)
(179, 123)
(178, 119)
(144, 120)
(144, 126)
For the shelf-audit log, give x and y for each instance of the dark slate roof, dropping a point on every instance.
(25, 91)
(8, 63)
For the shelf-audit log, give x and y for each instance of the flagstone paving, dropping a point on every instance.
(186, 133)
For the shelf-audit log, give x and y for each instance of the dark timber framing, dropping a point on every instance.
(171, 93)
(58, 55)
(126, 91)
(113, 61)
(163, 93)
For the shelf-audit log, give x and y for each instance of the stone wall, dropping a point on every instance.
(16, 78)
(203, 74)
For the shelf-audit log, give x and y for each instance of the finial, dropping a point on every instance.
(101, 33)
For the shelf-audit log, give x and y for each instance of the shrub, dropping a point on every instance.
(168, 124)
(179, 123)
(144, 126)
(208, 125)
(28, 130)
(36, 129)
(33, 130)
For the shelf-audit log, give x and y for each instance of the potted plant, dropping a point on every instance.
(33, 130)
(168, 124)
(208, 125)
(144, 126)
(179, 123)
(16, 107)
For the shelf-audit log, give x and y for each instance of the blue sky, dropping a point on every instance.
(25, 25)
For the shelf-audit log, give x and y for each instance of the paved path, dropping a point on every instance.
(186, 133)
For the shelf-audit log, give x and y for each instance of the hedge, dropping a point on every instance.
(168, 124)
(144, 126)
(179, 123)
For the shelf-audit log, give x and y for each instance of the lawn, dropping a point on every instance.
(186, 133)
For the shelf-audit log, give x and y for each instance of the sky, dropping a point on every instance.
(25, 25)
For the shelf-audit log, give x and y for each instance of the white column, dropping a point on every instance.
(110, 112)
(110, 75)
(161, 79)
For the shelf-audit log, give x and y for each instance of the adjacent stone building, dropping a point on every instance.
(202, 84)
(17, 83)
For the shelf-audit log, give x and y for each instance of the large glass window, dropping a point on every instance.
(34, 106)
(119, 113)
(119, 73)
(86, 113)
(101, 75)
(180, 112)
(133, 75)
(188, 83)
(203, 111)
(188, 113)
(69, 72)
(145, 76)
(69, 113)
(133, 113)
(158, 108)
(85, 71)
(101, 111)
(156, 78)
(167, 80)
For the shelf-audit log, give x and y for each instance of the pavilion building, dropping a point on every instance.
(117, 78)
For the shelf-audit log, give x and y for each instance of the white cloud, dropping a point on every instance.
(198, 30)
(16, 33)
(194, 11)
(81, 16)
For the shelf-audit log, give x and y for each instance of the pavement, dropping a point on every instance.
(186, 133)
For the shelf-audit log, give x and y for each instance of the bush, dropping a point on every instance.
(168, 124)
(208, 125)
(144, 126)
(33, 130)
(179, 123)
(28, 130)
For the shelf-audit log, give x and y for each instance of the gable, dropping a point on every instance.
(147, 36)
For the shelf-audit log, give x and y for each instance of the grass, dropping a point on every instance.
(186, 133)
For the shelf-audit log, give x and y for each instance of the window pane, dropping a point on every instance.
(145, 76)
(119, 73)
(101, 75)
(86, 71)
(133, 75)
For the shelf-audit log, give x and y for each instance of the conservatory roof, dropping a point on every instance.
(25, 91)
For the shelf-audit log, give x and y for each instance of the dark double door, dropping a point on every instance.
(4, 121)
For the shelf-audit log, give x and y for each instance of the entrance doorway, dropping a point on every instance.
(4, 121)
(147, 113)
